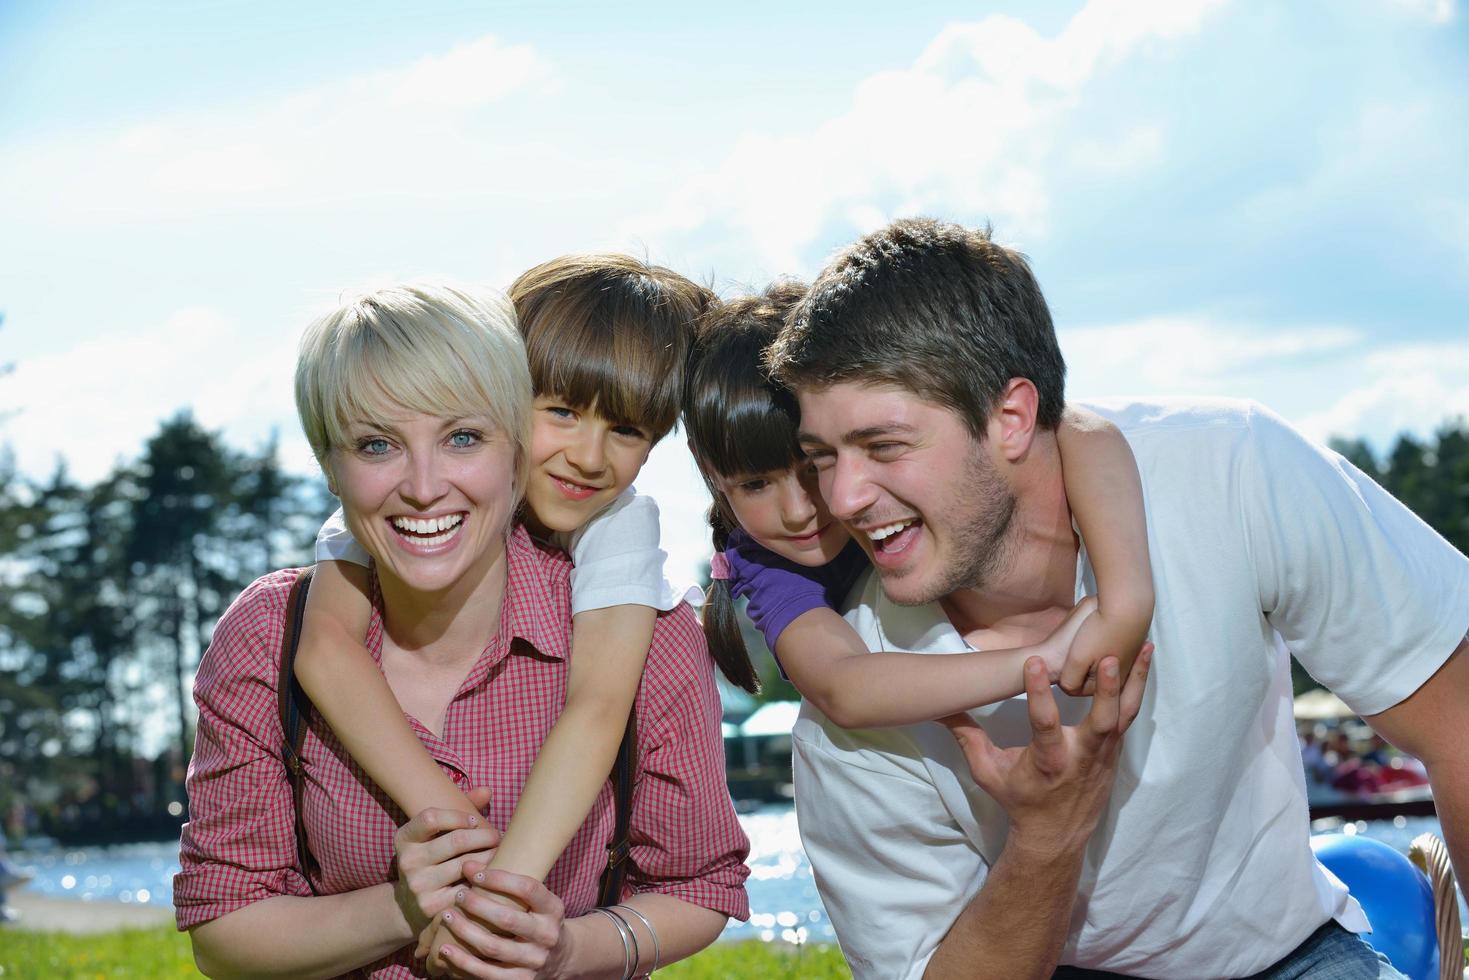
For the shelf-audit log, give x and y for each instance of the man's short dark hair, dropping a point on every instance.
(931, 307)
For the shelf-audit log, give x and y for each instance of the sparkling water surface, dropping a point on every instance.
(783, 902)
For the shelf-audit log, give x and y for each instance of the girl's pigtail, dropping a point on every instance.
(722, 621)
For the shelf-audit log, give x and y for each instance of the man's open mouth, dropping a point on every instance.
(894, 538)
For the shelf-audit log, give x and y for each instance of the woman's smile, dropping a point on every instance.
(429, 535)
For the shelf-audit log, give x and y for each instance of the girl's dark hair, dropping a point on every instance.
(739, 422)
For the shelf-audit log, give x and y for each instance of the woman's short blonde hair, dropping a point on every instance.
(431, 347)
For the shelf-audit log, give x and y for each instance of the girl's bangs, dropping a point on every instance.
(738, 436)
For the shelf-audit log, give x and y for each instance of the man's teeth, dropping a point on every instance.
(428, 525)
(887, 530)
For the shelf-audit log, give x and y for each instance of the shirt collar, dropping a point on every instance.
(536, 609)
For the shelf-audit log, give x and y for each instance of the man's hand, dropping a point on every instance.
(1054, 788)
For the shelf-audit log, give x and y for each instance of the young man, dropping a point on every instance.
(930, 384)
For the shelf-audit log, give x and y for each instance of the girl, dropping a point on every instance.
(607, 337)
(775, 542)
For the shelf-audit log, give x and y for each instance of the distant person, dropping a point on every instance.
(11, 875)
(1313, 756)
(930, 385)
(474, 637)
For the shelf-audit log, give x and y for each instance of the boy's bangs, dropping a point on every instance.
(609, 370)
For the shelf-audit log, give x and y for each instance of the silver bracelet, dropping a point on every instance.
(657, 947)
(629, 942)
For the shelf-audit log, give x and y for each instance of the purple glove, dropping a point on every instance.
(779, 590)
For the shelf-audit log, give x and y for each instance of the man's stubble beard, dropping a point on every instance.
(981, 544)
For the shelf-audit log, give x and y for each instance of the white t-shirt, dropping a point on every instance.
(615, 556)
(1261, 542)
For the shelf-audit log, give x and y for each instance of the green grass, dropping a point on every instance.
(142, 953)
(776, 961)
(164, 954)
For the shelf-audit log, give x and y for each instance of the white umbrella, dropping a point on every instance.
(772, 718)
(1321, 705)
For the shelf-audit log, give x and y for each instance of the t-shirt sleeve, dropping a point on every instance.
(334, 542)
(239, 845)
(616, 560)
(1371, 600)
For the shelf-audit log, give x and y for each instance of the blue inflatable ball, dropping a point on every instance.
(1395, 895)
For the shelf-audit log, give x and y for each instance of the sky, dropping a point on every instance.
(1264, 201)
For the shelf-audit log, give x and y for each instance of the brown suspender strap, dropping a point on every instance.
(295, 708)
(618, 849)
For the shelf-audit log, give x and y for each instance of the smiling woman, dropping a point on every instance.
(416, 400)
(427, 496)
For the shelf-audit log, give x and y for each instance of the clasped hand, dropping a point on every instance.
(443, 891)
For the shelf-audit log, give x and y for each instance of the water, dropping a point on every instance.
(783, 901)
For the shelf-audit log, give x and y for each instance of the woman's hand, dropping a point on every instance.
(431, 849)
(493, 940)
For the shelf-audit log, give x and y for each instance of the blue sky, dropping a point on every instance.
(1260, 200)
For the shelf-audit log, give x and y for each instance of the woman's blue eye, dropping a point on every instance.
(373, 447)
(464, 439)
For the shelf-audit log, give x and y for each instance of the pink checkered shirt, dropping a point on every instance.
(239, 844)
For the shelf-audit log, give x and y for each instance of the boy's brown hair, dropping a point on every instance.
(610, 332)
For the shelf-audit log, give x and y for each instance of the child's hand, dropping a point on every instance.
(1056, 648)
(1097, 638)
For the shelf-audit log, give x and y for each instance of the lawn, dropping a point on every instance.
(164, 954)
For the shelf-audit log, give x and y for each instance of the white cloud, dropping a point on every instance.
(1328, 381)
(469, 75)
(1185, 355)
(98, 402)
(351, 137)
(972, 127)
(1409, 389)
(1434, 11)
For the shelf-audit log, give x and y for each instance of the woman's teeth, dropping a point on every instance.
(429, 530)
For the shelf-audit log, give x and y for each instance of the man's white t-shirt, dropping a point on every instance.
(1261, 543)
(615, 556)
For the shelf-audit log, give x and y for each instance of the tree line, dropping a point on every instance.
(109, 593)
